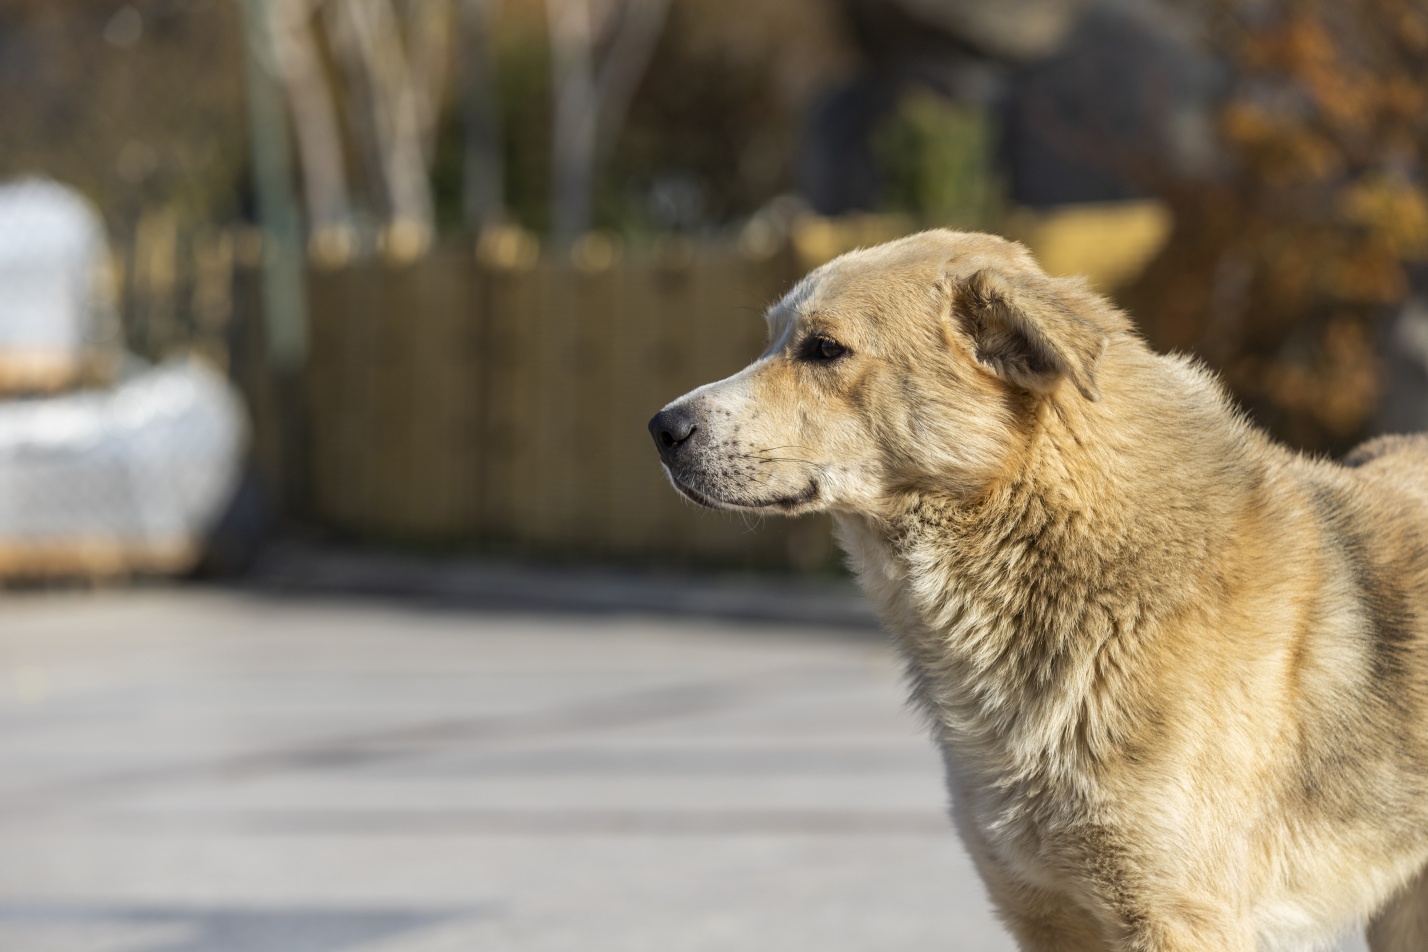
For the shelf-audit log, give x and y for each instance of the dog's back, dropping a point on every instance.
(1389, 475)
(1401, 459)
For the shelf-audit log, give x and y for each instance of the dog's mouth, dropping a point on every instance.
(786, 503)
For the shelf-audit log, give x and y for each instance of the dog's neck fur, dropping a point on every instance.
(1025, 607)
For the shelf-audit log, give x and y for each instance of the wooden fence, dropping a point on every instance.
(456, 400)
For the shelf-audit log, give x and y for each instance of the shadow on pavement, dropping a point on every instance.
(295, 569)
(184, 929)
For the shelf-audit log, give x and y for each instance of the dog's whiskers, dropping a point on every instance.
(762, 456)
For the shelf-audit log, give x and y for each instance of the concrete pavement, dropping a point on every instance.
(213, 771)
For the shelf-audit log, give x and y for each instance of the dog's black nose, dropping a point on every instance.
(672, 429)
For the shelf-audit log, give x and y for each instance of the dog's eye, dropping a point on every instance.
(823, 348)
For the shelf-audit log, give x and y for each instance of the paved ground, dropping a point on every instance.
(210, 771)
(189, 771)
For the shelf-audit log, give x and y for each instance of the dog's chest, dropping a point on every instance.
(1015, 765)
(1012, 736)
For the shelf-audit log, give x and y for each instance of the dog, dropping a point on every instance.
(1178, 673)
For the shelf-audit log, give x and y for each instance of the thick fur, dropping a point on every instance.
(1178, 673)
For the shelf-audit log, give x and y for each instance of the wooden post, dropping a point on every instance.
(284, 315)
(512, 307)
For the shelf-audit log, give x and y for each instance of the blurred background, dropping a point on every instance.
(451, 254)
(364, 296)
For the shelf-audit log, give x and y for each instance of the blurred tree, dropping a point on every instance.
(1282, 273)
(394, 57)
(319, 136)
(483, 199)
(599, 51)
(409, 115)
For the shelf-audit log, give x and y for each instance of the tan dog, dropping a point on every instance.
(1177, 672)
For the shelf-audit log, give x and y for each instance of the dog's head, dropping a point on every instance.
(912, 366)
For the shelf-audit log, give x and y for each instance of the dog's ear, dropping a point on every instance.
(1026, 334)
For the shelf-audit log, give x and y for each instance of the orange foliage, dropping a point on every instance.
(1280, 274)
